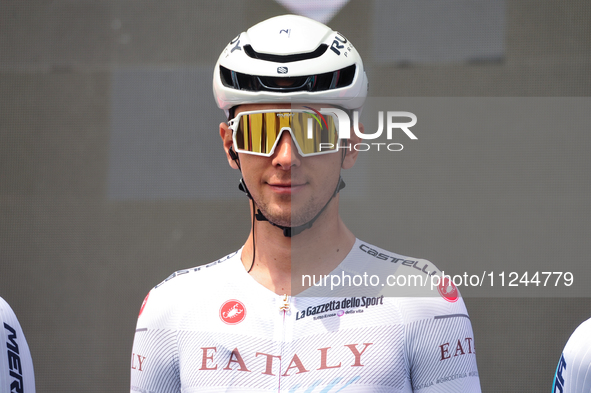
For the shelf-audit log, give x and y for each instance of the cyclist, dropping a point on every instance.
(246, 323)
(16, 365)
(573, 371)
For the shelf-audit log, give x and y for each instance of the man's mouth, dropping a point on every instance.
(286, 187)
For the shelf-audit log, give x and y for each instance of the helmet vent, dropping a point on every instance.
(321, 82)
(285, 58)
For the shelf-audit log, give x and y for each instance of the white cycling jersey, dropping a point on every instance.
(16, 365)
(215, 329)
(573, 373)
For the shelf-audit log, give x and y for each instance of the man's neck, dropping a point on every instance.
(280, 260)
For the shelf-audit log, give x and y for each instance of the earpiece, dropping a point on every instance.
(232, 153)
(242, 187)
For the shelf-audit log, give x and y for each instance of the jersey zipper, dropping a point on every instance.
(285, 305)
(285, 310)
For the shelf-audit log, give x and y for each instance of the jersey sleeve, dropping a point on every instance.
(573, 372)
(16, 365)
(154, 357)
(440, 347)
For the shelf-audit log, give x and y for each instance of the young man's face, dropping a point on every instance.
(288, 189)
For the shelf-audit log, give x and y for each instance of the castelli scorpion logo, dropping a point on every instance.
(232, 312)
(448, 290)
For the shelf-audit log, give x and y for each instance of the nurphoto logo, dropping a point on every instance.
(395, 121)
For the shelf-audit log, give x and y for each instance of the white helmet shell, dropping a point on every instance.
(319, 64)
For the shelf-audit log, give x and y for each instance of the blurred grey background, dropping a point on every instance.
(105, 188)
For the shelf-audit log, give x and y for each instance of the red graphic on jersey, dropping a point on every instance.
(232, 312)
(137, 365)
(448, 290)
(327, 361)
(144, 304)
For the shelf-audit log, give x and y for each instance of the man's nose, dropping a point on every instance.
(286, 153)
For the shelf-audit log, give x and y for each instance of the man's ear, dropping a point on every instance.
(352, 154)
(226, 135)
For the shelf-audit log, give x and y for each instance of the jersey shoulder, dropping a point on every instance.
(391, 262)
(438, 337)
(165, 303)
(11, 331)
(221, 268)
(16, 364)
(6, 313)
(417, 285)
(581, 338)
(573, 372)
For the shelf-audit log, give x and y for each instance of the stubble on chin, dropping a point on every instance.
(283, 214)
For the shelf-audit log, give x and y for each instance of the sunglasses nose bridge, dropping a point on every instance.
(286, 153)
(291, 136)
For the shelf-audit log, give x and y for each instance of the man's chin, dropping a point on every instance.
(285, 220)
(282, 214)
(281, 220)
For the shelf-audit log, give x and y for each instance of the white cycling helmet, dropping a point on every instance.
(290, 59)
